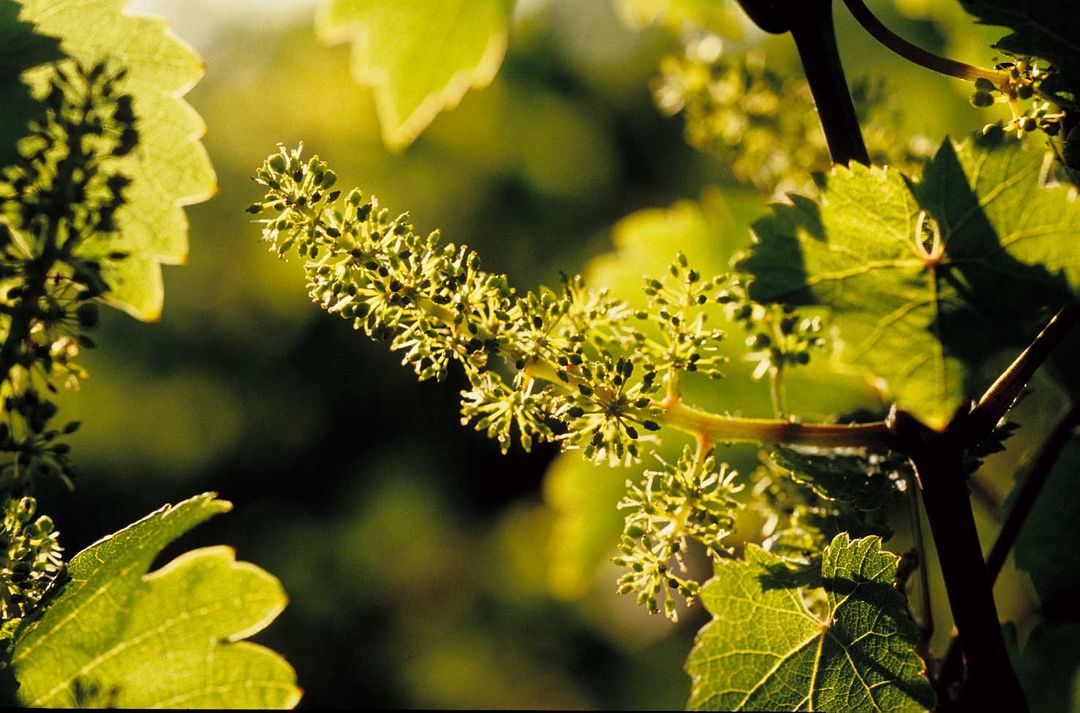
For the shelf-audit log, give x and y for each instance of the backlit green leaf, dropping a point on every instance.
(21, 48)
(169, 168)
(842, 641)
(917, 311)
(119, 637)
(419, 57)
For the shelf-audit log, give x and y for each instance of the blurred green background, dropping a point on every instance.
(423, 568)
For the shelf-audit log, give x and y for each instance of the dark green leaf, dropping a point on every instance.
(867, 481)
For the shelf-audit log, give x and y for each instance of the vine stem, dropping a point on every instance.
(717, 428)
(926, 626)
(914, 53)
(732, 429)
(938, 460)
(815, 38)
(810, 23)
(1040, 470)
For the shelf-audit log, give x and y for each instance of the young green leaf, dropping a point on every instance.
(170, 169)
(102, 641)
(782, 640)
(926, 278)
(419, 57)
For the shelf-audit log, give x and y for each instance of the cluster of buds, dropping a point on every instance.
(691, 500)
(58, 218)
(563, 365)
(1019, 84)
(34, 444)
(570, 365)
(30, 562)
(677, 305)
(761, 123)
(756, 121)
(778, 337)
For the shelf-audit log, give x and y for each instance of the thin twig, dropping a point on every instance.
(926, 626)
(732, 429)
(914, 53)
(1040, 470)
(1002, 394)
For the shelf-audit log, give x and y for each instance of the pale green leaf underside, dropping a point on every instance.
(419, 57)
(1010, 258)
(170, 638)
(852, 650)
(170, 168)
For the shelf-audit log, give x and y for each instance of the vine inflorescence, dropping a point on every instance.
(572, 365)
(760, 122)
(1019, 84)
(58, 215)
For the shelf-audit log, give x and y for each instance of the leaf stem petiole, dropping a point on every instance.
(914, 53)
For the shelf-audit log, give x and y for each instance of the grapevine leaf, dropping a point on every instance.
(419, 57)
(840, 642)
(21, 48)
(1049, 29)
(119, 637)
(866, 480)
(922, 319)
(169, 168)
(1046, 547)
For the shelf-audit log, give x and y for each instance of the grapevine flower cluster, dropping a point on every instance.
(58, 218)
(562, 365)
(1020, 86)
(572, 365)
(690, 500)
(30, 562)
(761, 123)
(777, 337)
